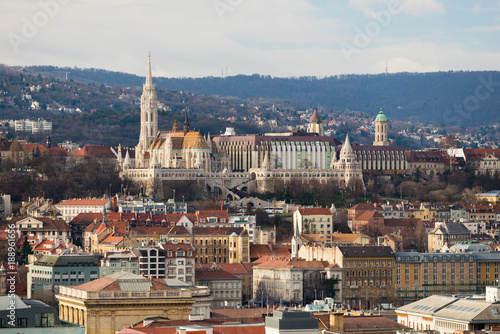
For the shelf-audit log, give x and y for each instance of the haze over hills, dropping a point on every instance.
(446, 98)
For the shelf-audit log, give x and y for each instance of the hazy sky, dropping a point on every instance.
(276, 37)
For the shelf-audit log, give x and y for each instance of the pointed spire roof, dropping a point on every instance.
(154, 160)
(265, 163)
(333, 160)
(127, 162)
(346, 148)
(175, 128)
(315, 118)
(296, 233)
(149, 75)
(198, 161)
(186, 122)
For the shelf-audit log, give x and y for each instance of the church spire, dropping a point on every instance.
(186, 123)
(149, 75)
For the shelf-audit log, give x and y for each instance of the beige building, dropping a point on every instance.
(313, 221)
(226, 288)
(492, 197)
(447, 233)
(116, 301)
(215, 244)
(288, 280)
(368, 277)
(73, 207)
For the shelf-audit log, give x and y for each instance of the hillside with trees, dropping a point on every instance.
(404, 96)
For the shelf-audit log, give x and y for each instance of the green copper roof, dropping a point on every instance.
(381, 116)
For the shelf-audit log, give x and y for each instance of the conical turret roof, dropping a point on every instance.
(127, 162)
(154, 160)
(346, 148)
(315, 118)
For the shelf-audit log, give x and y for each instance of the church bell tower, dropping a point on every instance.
(149, 116)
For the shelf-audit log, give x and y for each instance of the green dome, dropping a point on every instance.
(381, 116)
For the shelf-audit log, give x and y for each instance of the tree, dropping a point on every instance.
(262, 218)
(417, 176)
(314, 285)
(330, 286)
(340, 222)
(26, 250)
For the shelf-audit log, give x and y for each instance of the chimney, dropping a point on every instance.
(270, 244)
(337, 322)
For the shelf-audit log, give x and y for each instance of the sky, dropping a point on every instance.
(282, 38)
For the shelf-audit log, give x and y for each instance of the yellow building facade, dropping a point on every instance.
(120, 300)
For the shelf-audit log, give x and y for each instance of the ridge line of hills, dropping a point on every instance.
(464, 98)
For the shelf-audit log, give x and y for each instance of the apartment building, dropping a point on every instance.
(55, 270)
(180, 261)
(313, 221)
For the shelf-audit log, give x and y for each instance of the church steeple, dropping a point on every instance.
(186, 123)
(149, 116)
(149, 75)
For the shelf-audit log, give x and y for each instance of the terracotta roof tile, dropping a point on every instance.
(314, 211)
(84, 201)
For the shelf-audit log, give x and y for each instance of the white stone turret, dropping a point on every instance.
(153, 163)
(315, 125)
(265, 164)
(209, 143)
(296, 241)
(347, 152)
(333, 158)
(127, 164)
(348, 164)
(198, 163)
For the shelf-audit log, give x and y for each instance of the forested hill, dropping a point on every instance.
(448, 98)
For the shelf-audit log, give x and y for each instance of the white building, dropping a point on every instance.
(151, 261)
(72, 207)
(27, 125)
(313, 221)
(247, 222)
(448, 314)
(180, 260)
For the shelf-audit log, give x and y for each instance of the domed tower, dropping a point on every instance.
(315, 125)
(381, 136)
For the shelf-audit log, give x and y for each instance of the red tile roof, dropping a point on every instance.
(213, 274)
(95, 151)
(112, 239)
(479, 153)
(290, 263)
(367, 215)
(314, 211)
(84, 201)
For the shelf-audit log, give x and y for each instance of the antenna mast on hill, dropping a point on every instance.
(386, 68)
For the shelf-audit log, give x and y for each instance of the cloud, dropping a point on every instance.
(408, 7)
(484, 29)
(275, 37)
